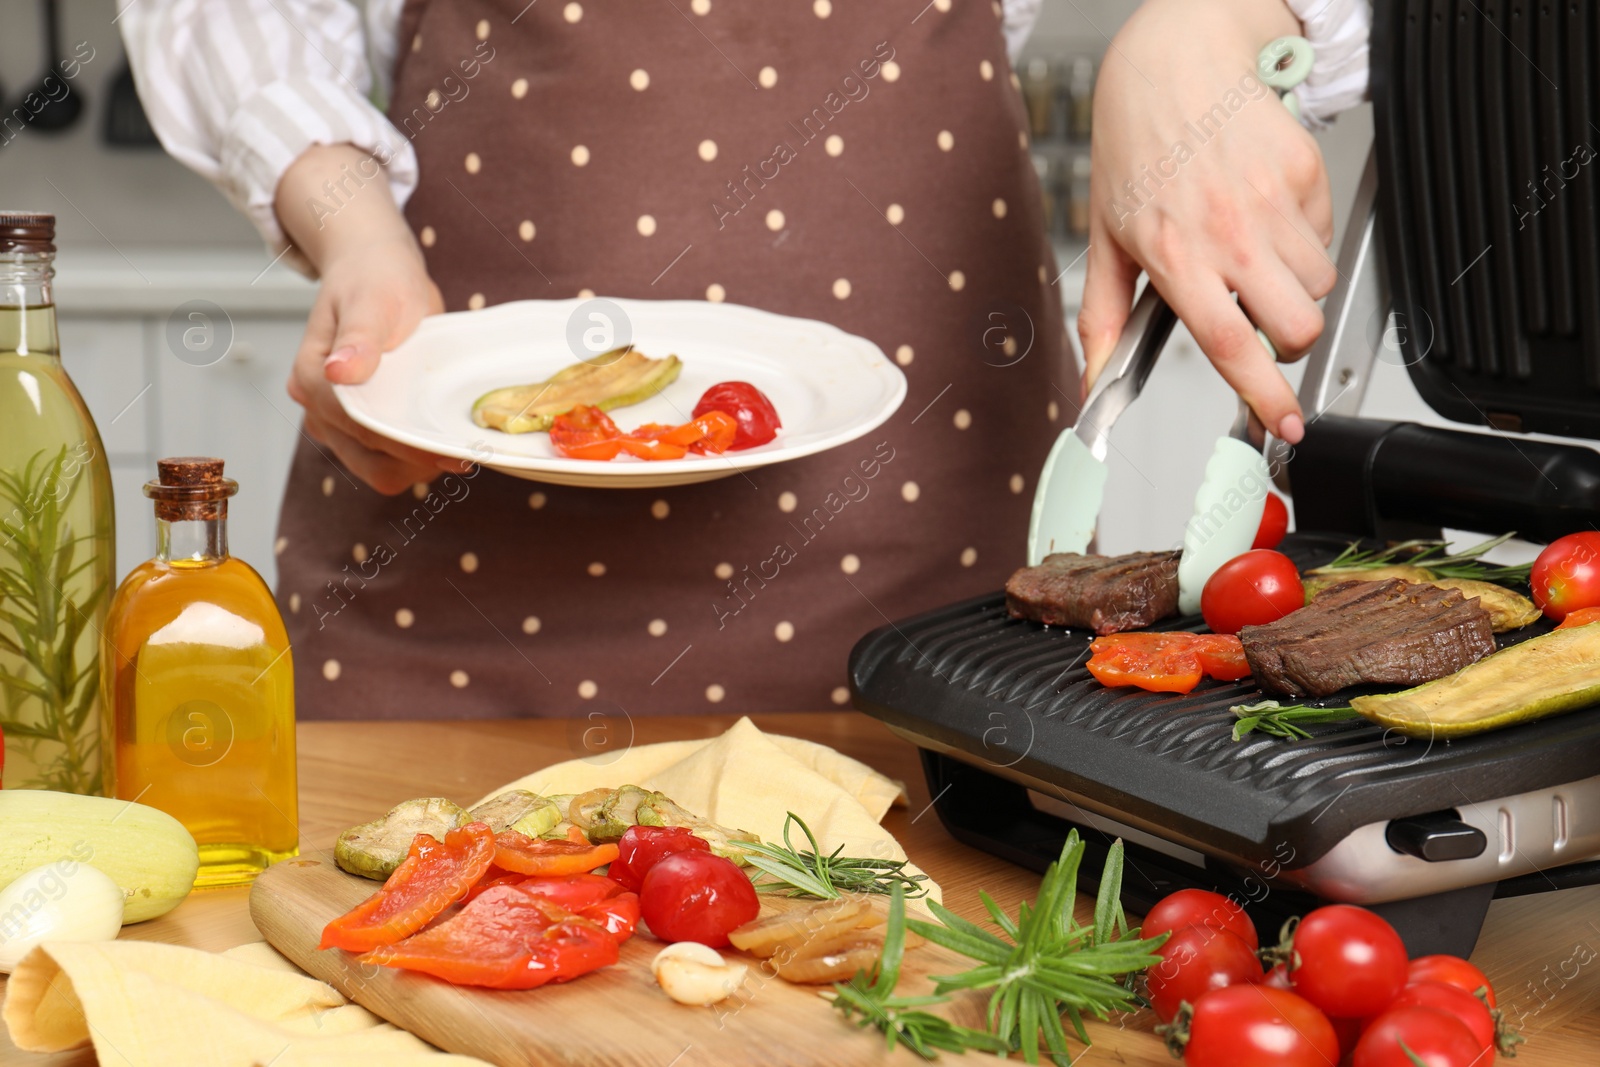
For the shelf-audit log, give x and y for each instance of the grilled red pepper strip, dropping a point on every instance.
(508, 938)
(434, 875)
(527, 855)
(1166, 662)
(585, 433)
(593, 896)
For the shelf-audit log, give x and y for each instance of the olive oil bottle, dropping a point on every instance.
(199, 685)
(57, 568)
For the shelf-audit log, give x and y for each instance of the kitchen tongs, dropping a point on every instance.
(1072, 483)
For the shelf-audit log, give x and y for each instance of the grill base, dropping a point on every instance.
(996, 815)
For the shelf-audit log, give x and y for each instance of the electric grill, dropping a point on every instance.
(1020, 744)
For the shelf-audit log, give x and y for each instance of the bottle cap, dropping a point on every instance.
(27, 231)
(190, 487)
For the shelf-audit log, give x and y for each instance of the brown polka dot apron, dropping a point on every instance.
(858, 163)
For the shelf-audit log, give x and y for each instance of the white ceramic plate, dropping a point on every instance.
(828, 386)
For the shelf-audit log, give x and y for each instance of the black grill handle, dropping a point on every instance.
(1373, 478)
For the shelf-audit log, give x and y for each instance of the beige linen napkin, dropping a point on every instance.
(146, 1004)
(750, 780)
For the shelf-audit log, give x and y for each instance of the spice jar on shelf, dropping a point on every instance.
(1038, 93)
(1080, 94)
(1077, 196)
(199, 684)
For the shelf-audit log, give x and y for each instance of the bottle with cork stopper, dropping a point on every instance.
(199, 684)
(57, 543)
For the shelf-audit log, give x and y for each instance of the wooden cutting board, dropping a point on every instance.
(615, 1016)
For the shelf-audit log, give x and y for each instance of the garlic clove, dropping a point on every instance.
(61, 901)
(692, 973)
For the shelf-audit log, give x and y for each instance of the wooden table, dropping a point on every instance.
(1542, 952)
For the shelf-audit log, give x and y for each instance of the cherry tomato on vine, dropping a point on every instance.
(1451, 970)
(1278, 978)
(1199, 907)
(1406, 1036)
(1195, 961)
(1352, 963)
(1258, 1026)
(757, 418)
(695, 896)
(1455, 1002)
(1257, 587)
(1274, 523)
(642, 847)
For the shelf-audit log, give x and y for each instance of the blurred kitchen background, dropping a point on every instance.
(146, 246)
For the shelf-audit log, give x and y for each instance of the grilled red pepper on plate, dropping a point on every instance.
(588, 433)
(585, 433)
(510, 937)
(434, 875)
(1166, 662)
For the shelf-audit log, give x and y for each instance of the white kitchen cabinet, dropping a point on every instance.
(150, 398)
(237, 409)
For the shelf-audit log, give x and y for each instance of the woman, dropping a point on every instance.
(861, 164)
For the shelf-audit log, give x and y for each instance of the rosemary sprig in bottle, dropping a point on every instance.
(826, 877)
(48, 696)
(1434, 556)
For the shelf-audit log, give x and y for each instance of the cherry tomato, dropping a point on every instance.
(1352, 963)
(1349, 1032)
(757, 418)
(1260, 586)
(1406, 1036)
(1198, 907)
(1274, 523)
(643, 846)
(1452, 1001)
(695, 896)
(1566, 576)
(1258, 1026)
(1278, 978)
(1195, 961)
(1451, 970)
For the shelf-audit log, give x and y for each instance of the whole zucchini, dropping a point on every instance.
(1542, 676)
(146, 852)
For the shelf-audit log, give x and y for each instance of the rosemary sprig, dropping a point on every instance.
(869, 1000)
(1436, 557)
(1283, 720)
(1048, 965)
(811, 874)
(46, 601)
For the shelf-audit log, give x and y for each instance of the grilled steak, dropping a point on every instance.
(1389, 633)
(1106, 593)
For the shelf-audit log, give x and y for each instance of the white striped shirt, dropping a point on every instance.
(238, 89)
(1338, 32)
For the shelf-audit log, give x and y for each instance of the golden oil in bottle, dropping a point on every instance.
(200, 685)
